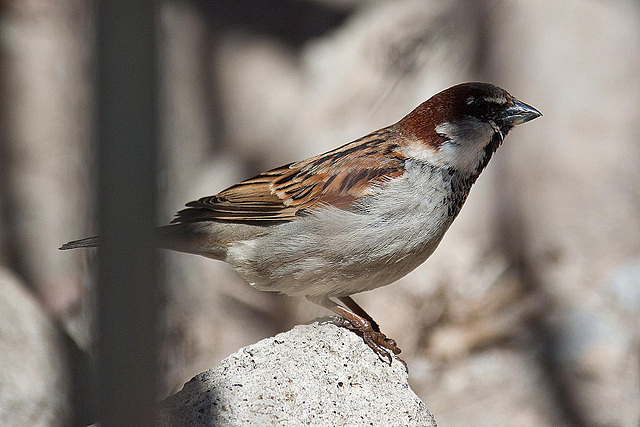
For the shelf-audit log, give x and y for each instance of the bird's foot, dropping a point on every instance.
(377, 341)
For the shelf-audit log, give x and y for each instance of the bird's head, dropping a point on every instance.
(462, 126)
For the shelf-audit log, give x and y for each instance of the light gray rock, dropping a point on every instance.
(34, 382)
(317, 374)
(624, 286)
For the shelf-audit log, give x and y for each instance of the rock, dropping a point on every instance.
(624, 286)
(316, 374)
(34, 380)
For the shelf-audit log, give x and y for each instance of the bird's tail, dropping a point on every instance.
(188, 238)
(87, 242)
(192, 239)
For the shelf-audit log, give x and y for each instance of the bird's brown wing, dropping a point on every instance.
(338, 178)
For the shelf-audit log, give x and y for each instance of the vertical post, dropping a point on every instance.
(128, 263)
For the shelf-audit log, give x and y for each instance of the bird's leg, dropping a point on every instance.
(361, 324)
(351, 304)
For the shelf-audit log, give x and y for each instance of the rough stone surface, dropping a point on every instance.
(317, 374)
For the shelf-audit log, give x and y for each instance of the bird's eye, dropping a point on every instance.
(479, 106)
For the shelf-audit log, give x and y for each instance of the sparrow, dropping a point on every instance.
(358, 217)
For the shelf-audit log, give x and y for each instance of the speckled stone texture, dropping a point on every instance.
(312, 375)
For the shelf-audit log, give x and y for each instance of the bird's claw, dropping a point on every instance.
(384, 347)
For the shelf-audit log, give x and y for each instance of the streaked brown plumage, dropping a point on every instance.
(294, 189)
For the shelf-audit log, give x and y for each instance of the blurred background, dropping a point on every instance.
(527, 314)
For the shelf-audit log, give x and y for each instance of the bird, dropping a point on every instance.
(355, 218)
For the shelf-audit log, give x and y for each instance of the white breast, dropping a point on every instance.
(337, 253)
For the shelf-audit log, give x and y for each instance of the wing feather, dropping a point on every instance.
(279, 195)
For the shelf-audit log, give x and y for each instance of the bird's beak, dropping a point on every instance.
(519, 113)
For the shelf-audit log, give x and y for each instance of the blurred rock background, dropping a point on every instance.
(528, 312)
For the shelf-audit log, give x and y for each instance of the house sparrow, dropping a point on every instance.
(358, 217)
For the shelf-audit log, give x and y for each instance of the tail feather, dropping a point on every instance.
(88, 242)
(189, 238)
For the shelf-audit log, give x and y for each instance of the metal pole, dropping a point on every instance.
(128, 263)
